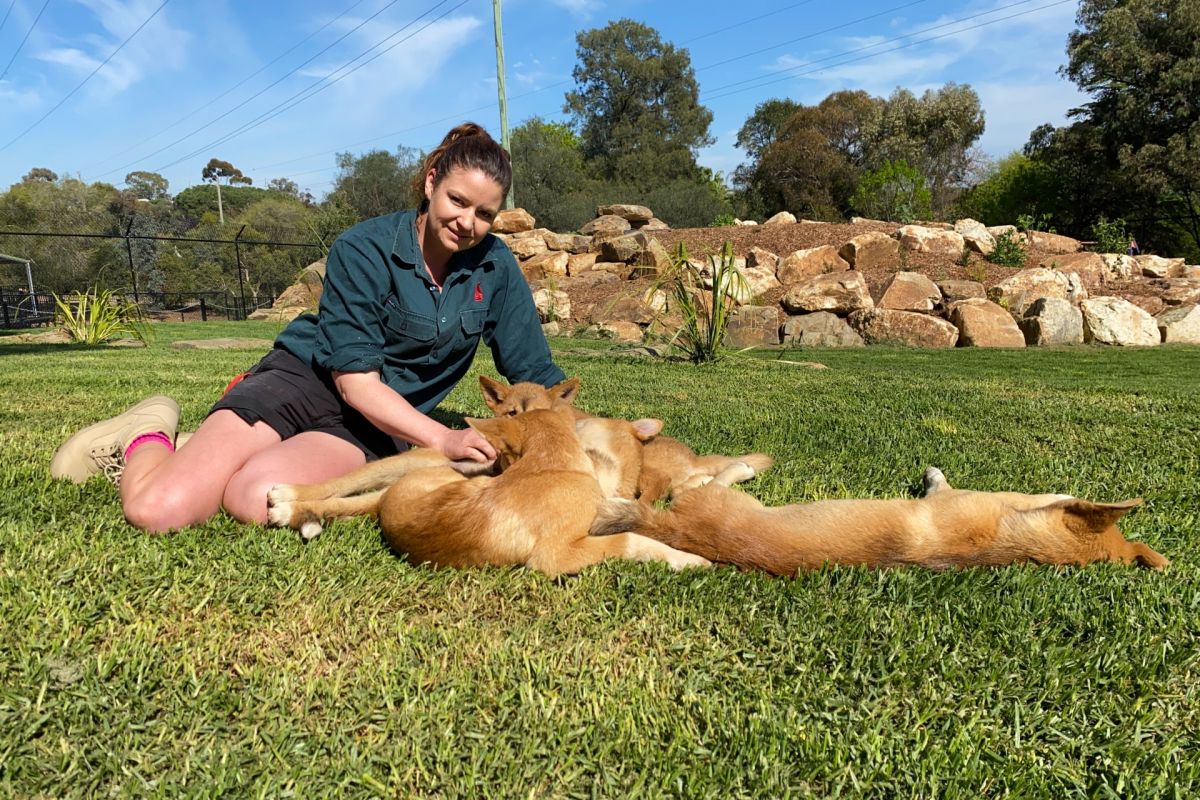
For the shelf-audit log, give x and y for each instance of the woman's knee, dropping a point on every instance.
(245, 496)
(161, 508)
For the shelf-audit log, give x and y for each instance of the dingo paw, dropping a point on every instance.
(681, 560)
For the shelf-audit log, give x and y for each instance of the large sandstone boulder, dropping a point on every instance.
(1181, 291)
(1158, 267)
(759, 257)
(782, 218)
(872, 250)
(908, 328)
(655, 224)
(606, 226)
(623, 248)
(624, 308)
(301, 297)
(753, 326)
(1119, 267)
(579, 263)
(527, 247)
(513, 220)
(1090, 267)
(839, 292)
(923, 239)
(982, 323)
(976, 236)
(547, 265)
(553, 305)
(820, 329)
(1180, 325)
(756, 281)
(907, 291)
(637, 215)
(568, 242)
(955, 290)
(1111, 320)
(1052, 242)
(617, 331)
(1052, 321)
(803, 264)
(1018, 291)
(653, 260)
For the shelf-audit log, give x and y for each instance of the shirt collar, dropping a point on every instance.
(406, 250)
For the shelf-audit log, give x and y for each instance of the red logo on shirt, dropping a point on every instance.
(478, 293)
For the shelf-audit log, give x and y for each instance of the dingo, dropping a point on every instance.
(946, 528)
(666, 464)
(536, 512)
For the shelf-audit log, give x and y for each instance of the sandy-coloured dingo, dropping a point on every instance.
(667, 463)
(536, 512)
(947, 528)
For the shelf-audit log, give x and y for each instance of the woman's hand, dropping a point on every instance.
(466, 445)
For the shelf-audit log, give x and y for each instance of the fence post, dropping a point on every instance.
(129, 253)
(237, 250)
(4, 305)
(203, 310)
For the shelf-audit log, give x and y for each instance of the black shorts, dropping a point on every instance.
(291, 397)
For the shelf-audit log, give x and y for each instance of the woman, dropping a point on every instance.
(407, 298)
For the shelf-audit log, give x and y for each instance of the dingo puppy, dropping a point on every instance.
(667, 464)
(946, 528)
(536, 512)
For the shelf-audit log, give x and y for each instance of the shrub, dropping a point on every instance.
(1033, 221)
(1111, 236)
(895, 191)
(721, 221)
(1008, 251)
(704, 311)
(99, 316)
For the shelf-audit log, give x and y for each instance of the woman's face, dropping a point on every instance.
(461, 208)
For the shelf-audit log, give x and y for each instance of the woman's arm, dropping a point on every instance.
(387, 410)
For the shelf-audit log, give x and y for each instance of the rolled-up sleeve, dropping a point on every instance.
(350, 325)
(514, 332)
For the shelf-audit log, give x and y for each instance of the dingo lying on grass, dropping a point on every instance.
(946, 528)
(536, 512)
(666, 463)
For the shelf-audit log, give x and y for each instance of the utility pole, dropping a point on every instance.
(504, 142)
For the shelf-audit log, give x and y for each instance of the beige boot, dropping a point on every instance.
(100, 448)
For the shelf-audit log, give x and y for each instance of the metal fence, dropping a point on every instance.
(165, 266)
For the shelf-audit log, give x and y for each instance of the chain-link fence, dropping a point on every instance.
(163, 262)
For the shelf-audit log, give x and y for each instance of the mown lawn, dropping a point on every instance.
(234, 660)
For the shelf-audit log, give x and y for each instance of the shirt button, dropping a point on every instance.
(443, 319)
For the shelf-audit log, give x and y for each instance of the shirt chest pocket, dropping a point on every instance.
(409, 334)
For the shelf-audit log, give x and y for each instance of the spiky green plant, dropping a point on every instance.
(100, 316)
(704, 302)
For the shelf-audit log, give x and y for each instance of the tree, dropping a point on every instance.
(935, 134)
(214, 171)
(1139, 62)
(284, 186)
(763, 127)
(1015, 185)
(377, 182)
(147, 185)
(895, 191)
(549, 175)
(815, 161)
(40, 174)
(636, 106)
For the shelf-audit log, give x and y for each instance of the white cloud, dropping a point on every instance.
(157, 46)
(581, 8)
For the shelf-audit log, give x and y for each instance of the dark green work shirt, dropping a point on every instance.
(380, 311)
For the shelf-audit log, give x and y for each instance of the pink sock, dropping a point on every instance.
(141, 439)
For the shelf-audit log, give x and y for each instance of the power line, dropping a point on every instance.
(316, 88)
(728, 28)
(23, 39)
(88, 78)
(257, 94)
(230, 90)
(6, 13)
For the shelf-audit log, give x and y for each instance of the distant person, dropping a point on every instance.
(1133, 247)
(407, 298)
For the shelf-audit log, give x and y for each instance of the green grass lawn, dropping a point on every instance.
(234, 660)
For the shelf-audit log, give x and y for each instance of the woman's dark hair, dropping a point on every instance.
(468, 146)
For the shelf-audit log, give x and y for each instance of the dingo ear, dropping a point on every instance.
(490, 429)
(1086, 517)
(565, 391)
(646, 429)
(1146, 556)
(494, 392)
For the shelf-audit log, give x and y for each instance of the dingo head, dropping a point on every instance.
(1095, 527)
(547, 435)
(507, 401)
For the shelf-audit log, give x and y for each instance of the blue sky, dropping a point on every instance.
(256, 82)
